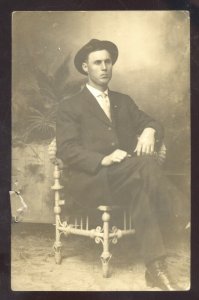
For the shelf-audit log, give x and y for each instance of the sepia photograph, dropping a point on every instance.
(100, 194)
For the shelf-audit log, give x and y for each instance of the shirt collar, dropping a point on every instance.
(95, 92)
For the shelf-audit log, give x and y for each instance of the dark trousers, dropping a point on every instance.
(140, 183)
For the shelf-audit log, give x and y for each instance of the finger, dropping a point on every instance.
(152, 148)
(121, 158)
(121, 155)
(148, 150)
(138, 150)
(143, 150)
(124, 155)
(117, 159)
(135, 150)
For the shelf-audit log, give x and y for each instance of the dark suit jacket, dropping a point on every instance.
(85, 135)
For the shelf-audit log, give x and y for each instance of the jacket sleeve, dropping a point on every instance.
(141, 121)
(69, 148)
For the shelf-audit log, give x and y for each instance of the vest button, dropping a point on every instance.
(109, 128)
(113, 144)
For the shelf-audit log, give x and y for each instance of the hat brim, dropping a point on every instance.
(92, 46)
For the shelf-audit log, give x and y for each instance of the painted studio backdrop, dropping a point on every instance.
(153, 68)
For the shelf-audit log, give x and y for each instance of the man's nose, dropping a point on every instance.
(103, 66)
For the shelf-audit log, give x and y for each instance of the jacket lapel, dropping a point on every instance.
(94, 106)
(114, 103)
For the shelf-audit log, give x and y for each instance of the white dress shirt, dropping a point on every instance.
(102, 99)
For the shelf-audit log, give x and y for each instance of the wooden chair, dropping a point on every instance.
(101, 234)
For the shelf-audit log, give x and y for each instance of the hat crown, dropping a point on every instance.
(93, 44)
(93, 41)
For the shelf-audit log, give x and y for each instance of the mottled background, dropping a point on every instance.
(153, 68)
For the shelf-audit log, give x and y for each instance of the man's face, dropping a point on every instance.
(99, 68)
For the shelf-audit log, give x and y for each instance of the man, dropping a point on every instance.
(108, 145)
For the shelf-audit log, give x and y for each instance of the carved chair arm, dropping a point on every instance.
(161, 154)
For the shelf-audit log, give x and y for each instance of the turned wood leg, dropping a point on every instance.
(57, 244)
(57, 210)
(106, 255)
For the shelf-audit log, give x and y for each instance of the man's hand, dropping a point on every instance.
(115, 157)
(146, 142)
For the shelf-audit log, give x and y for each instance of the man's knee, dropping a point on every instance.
(150, 172)
(149, 163)
(143, 166)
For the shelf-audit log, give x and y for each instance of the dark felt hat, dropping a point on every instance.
(91, 46)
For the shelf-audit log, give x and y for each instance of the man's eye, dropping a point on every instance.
(107, 61)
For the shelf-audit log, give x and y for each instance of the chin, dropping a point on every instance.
(104, 80)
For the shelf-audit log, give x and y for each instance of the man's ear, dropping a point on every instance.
(85, 67)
